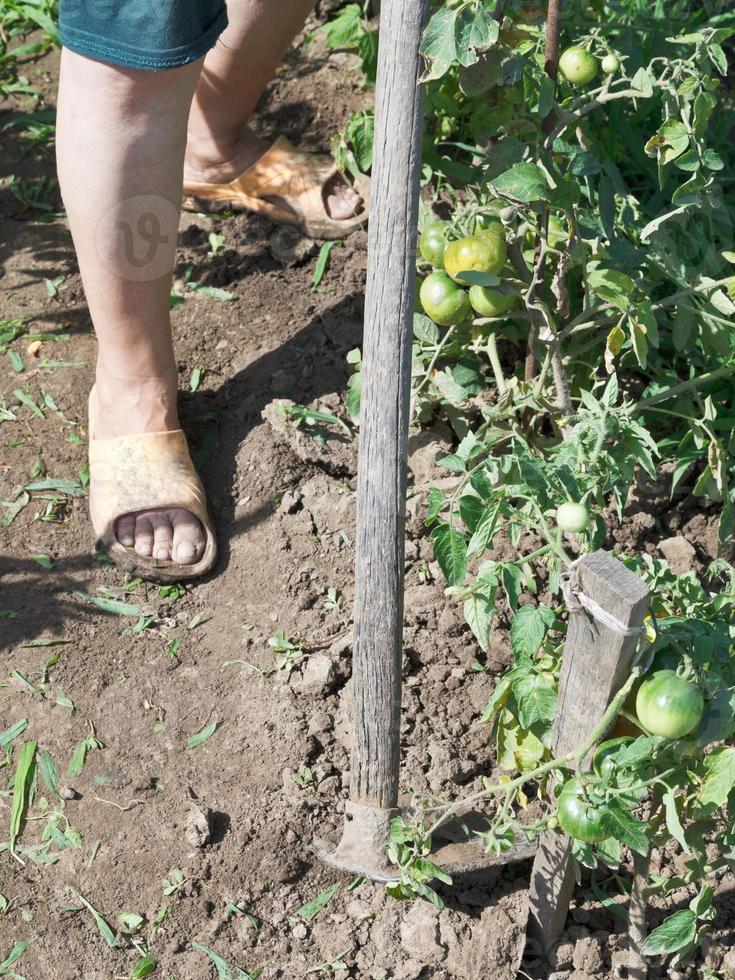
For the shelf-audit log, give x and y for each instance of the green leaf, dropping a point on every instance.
(13, 508)
(673, 821)
(225, 970)
(450, 549)
(26, 400)
(720, 776)
(344, 30)
(10, 734)
(622, 825)
(679, 930)
(484, 532)
(476, 30)
(195, 379)
(612, 286)
(13, 956)
(24, 771)
(104, 929)
(143, 968)
(322, 261)
(114, 606)
(528, 630)
(479, 610)
(50, 774)
(524, 182)
(438, 44)
(204, 734)
(311, 908)
(536, 699)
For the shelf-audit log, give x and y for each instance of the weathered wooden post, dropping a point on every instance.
(384, 411)
(597, 660)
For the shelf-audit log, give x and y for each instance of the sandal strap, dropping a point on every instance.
(283, 172)
(142, 472)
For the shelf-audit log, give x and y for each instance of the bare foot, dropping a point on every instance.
(340, 200)
(123, 408)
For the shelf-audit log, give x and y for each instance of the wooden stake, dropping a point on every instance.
(596, 662)
(384, 407)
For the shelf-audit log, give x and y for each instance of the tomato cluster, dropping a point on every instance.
(668, 705)
(443, 294)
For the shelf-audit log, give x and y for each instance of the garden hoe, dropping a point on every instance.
(381, 497)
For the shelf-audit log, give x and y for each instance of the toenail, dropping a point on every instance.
(127, 540)
(185, 551)
(162, 553)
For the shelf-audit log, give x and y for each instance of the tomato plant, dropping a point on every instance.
(608, 195)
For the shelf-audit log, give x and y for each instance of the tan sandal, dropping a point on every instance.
(146, 472)
(287, 186)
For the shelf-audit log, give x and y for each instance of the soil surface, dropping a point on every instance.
(228, 813)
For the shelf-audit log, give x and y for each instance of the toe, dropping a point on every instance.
(341, 201)
(163, 535)
(188, 538)
(143, 536)
(125, 530)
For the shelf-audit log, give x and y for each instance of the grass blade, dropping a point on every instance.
(204, 734)
(24, 772)
(105, 931)
(114, 606)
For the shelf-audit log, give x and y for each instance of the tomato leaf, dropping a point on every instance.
(536, 699)
(528, 630)
(450, 549)
(720, 777)
(438, 44)
(524, 182)
(621, 825)
(479, 610)
(674, 933)
(673, 822)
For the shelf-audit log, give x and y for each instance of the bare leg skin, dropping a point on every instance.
(236, 71)
(121, 135)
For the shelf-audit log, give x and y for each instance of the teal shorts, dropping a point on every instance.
(147, 34)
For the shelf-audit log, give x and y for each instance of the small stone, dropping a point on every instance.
(319, 723)
(299, 931)
(561, 956)
(728, 964)
(290, 501)
(679, 553)
(197, 826)
(411, 970)
(289, 246)
(420, 933)
(318, 674)
(588, 956)
(559, 975)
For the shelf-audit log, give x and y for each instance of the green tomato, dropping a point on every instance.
(603, 761)
(490, 302)
(610, 64)
(443, 300)
(578, 816)
(484, 222)
(476, 253)
(572, 517)
(578, 66)
(433, 242)
(669, 705)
